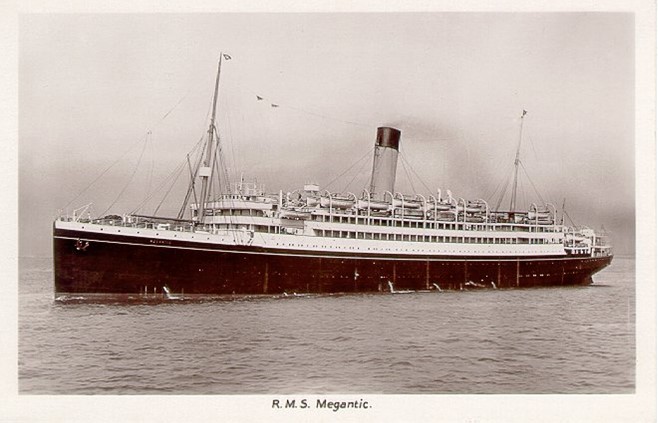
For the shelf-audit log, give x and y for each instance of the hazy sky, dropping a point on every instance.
(92, 86)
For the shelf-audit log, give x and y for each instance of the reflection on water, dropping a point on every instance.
(550, 340)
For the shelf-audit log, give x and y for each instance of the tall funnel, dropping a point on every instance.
(385, 162)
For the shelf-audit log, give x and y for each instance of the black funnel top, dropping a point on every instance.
(388, 137)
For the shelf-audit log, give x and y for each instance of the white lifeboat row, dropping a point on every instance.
(344, 202)
(406, 207)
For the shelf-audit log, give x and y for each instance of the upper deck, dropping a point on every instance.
(313, 220)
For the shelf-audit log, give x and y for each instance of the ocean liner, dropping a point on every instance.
(244, 241)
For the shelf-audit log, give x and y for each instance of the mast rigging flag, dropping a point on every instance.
(226, 56)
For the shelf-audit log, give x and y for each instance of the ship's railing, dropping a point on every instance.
(347, 216)
(135, 221)
(601, 244)
(160, 223)
(77, 215)
(404, 208)
(248, 188)
(412, 212)
(400, 206)
(585, 240)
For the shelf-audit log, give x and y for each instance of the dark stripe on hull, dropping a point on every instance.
(112, 264)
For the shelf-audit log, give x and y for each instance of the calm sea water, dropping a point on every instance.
(552, 340)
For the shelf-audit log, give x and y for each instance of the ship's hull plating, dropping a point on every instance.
(88, 263)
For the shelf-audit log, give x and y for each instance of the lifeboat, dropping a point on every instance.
(337, 202)
(439, 206)
(409, 213)
(372, 204)
(312, 201)
(539, 215)
(475, 219)
(380, 213)
(445, 216)
(407, 204)
(470, 208)
(295, 214)
(540, 221)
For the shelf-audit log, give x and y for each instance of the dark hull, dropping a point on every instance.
(112, 264)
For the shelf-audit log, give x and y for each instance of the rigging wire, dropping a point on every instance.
(215, 171)
(192, 187)
(176, 105)
(277, 104)
(326, 117)
(532, 144)
(502, 194)
(193, 175)
(363, 165)
(179, 170)
(150, 173)
(564, 211)
(230, 131)
(139, 160)
(132, 145)
(404, 159)
(160, 186)
(164, 181)
(198, 161)
(212, 166)
(222, 162)
(501, 187)
(523, 193)
(216, 192)
(411, 182)
(349, 168)
(525, 171)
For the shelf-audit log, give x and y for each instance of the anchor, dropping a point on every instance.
(81, 246)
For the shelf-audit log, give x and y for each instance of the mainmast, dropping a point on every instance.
(517, 160)
(205, 172)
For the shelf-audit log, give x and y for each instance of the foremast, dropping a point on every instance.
(206, 170)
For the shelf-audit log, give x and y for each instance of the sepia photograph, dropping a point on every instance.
(306, 214)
